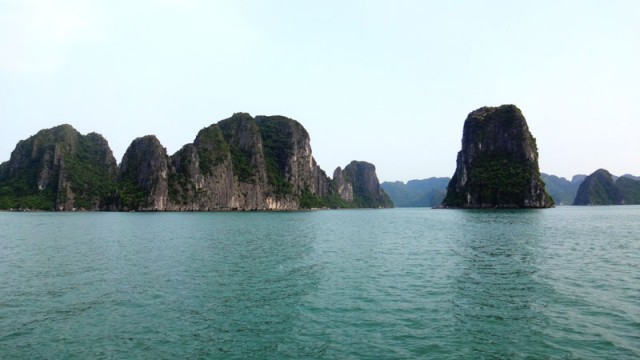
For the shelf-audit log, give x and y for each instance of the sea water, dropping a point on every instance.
(559, 283)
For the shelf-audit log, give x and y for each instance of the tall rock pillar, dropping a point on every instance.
(497, 166)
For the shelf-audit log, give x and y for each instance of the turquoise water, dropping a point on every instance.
(560, 283)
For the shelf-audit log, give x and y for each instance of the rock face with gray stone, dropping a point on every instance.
(358, 183)
(144, 175)
(243, 163)
(497, 166)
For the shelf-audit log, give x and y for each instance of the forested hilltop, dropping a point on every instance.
(240, 163)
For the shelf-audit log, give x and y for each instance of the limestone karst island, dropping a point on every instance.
(497, 166)
(241, 163)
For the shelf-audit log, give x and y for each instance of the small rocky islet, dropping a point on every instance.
(497, 166)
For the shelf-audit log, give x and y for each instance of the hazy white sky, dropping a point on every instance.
(389, 82)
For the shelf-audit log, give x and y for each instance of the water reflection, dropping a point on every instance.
(402, 283)
(497, 302)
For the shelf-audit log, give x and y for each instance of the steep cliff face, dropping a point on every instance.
(222, 170)
(242, 134)
(243, 163)
(143, 175)
(498, 163)
(290, 165)
(343, 185)
(58, 169)
(202, 176)
(358, 183)
(599, 189)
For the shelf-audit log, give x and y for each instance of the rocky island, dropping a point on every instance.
(601, 188)
(240, 163)
(497, 166)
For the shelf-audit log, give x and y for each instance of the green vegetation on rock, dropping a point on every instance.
(242, 134)
(598, 189)
(213, 150)
(310, 200)
(18, 193)
(241, 160)
(91, 179)
(630, 190)
(277, 143)
(496, 180)
(129, 195)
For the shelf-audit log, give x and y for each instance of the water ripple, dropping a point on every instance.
(403, 283)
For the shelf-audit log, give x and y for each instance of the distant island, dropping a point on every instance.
(417, 193)
(562, 190)
(602, 188)
(431, 191)
(240, 163)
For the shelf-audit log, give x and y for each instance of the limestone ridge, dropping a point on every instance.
(497, 166)
(240, 163)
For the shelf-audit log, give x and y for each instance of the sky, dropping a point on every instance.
(388, 82)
